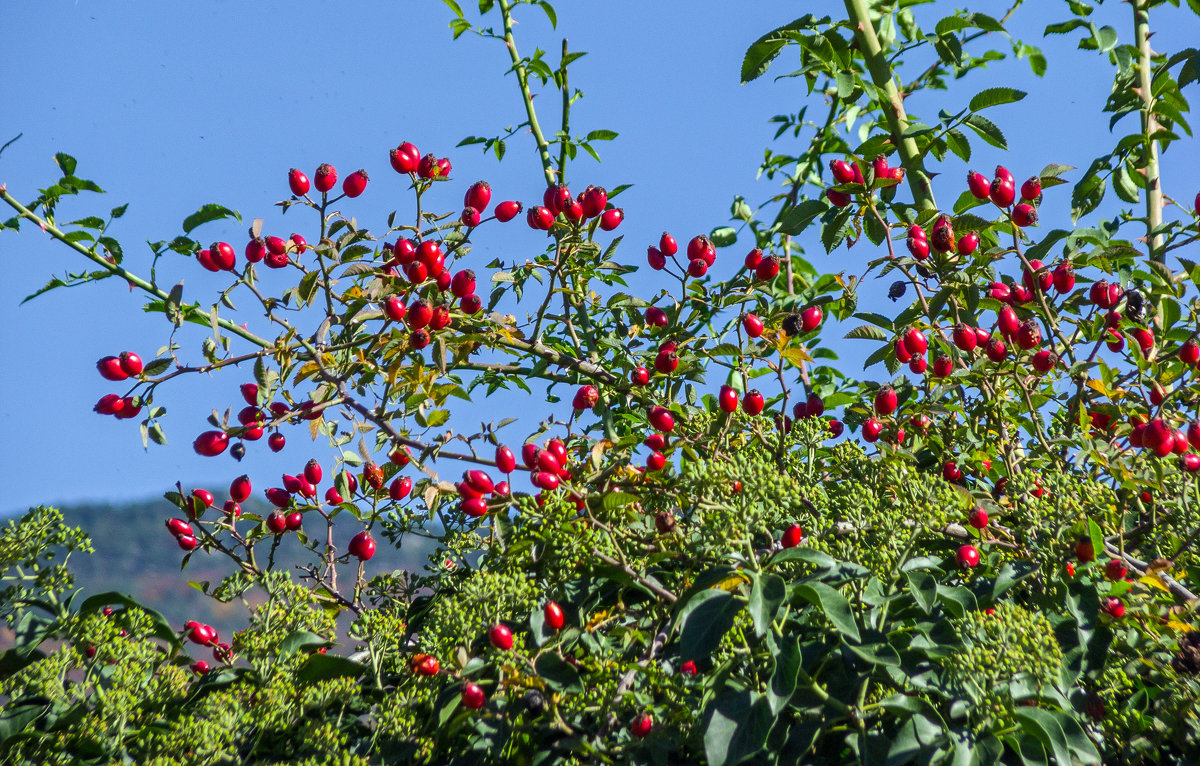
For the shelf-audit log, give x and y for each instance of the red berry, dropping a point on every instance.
(792, 536)
(1029, 336)
(1189, 352)
(362, 546)
(505, 460)
(701, 248)
(1024, 215)
(110, 369)
(697, 268)
(179, 527)
(1113, 607)
(667, 244)
(473, 697)
(753, 402)
(641, 726)
(325, 178)
(655, 258)
(728, 399)
(752, 325)
(211, 443)
(1064, 278)
(810, 319)
(1115, 569)
(478, 196)
(131, 363)
(661, 419)
(593, 201)
(1084, 551)
(556, 197)
(1044, 360)
(968, 243)
(425, 665)
(298, 182)
(996, 350)
(666, 362)
(1031, 189)
(871, 429)
(967, 556)
(506, 211)
(500, 636)
(979, 185)
(553, 615)
(400, 488)
(656, 462)
(1002, 193)
(965, 337)
(843, 173)
(640, 376)
(768, 268)
(611, 219)
(885, 401)
(914, 342)
(295, 521)
(977, 518)
(540, 218)
(943, 366)
(276, 442)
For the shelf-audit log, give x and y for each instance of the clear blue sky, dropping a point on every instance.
(169, 106)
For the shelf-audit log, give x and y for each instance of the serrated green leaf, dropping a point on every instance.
(990, 97)
(866, 332)
(210, 212)
(987, 130)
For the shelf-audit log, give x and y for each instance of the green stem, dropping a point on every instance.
(527, 97)
(893, 105)
(566, 116)
(1154, 195)
(116, 270)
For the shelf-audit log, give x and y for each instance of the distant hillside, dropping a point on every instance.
(135, 554)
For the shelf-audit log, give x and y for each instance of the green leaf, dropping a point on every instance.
(550, 14)
(766, 595)
(210, 212)
(614, 500)
(322, 667)
(66, 162)
(801, 216)
(923, 588)
(957, 599)
(301, 641)
(736, 725)
(995, 97)
(833, 604)
(558, 674)
(866, 332)
(783, 678)
(836, 230)
(704, 620)
(987, 130)
(454, 7)
(958, 144)
(723, 236)
(601, 135)
(1042, 725)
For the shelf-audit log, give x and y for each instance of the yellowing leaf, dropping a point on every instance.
(796, 356)
(1156, 581)
(597, 620)
(1182, 627)
(1098, 386)
(732, 582)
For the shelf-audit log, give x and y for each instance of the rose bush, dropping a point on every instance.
(715, 545)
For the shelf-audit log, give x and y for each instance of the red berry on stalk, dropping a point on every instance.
(968, 243)
(701, 247)
(1084, 551)
(393, 309)
(276, 442)
(418, 314)
(553, 615)
(325, 178)
(843, 173)
(1044, 360)
(1007, 320)
(640, 376)
(211, 443)
(593, 201)
(1002, 193)
(810, 319)
(977, 518)
(555, 197)
(1029, 336)
(697, 268)
(355, 184)
(1031, 189)
(964, 337)
(473, 697)
(753, 402)
(1144, 338)
(1115, 569)
(478, 196)
(641, 726)
(967, 556)
(918, 247)
(943, 366)
(837, 198)
(333, 497)
(611, 219)
(666, 362)
(918, 365)
(131, 363)
(914, 342)
(885, 401)
(979, 185)
(996, 350)
(667, 244)
(506, 211)
(792, 536)
(951, 472)
(362, 546)
(295, 521)
(256, 250)
(656, 462)
(399, 489)
(655, 259)
(661, 419)
(753, 258)
(728, 399)
(752, 325)
(1064, 278)
(276, 523)
(1024, 215)
(871, 429)
(942, 237)
(240, 489)
(298, 182)
(1113, 607)
(110, 369)
(768, 268)
(540, 218)
(1037, 276)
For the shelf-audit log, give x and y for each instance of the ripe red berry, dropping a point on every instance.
(130, 363)
(697, 268)
(967, 556)
(1084, 551)
(656, 462)
(753, 402)
(478, 196)
(979, 185)
(611, 219)
(1113, 607)
(1024, 215)
(1064, 278)
(753, 258)
(211, 443)
(977, 518)
(968, 243)
(362, 546)
(810, 319)
(918, 247)
(871, 429)
(641, 726)
(914, 342)
(885, 401)
(256, 250)
(996, 350)
(473, 697)
(418, 314)
(1031, 189)
(540, 218)
(325, 178)
(1044, 360)
(792, 536)
(661, 419)
(276, 523)
(276, 442)
(843, 173)
(110, 369)
(553, 615)
(355, 183)
(298, 182)
(752, 325)
(701, 247)
(942, 237)
(1029, 336)
(918, 365)
(666, 362)
(668, 246)
(1002, 193)
(505, 460)
(728, 399)
(964, 337)
(1115, 569)
(425, 665)
(768, 268)
(943, 366)
(506, 211)
(640, 376)
(593, 201)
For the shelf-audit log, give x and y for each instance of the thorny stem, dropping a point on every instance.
(1150, 126)
(526, 96)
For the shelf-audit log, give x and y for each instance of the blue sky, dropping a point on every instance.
(170, 106)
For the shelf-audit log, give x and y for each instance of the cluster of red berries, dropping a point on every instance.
(206, 635)
(275, 252)
(850, 172)
(407, 160)
(253, 420)
(118, 368)
(325, 179)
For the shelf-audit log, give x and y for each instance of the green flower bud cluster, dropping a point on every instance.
(1008, 656)
(289, 607)
(463, 612)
